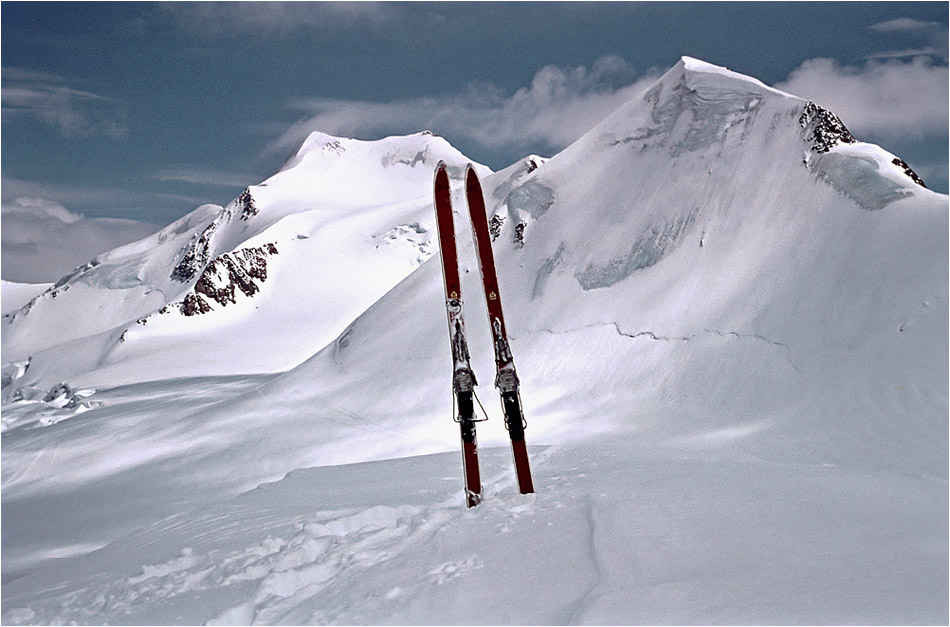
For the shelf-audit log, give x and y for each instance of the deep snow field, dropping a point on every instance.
(730, 322)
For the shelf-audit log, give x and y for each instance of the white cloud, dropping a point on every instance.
(48, 98)
(909, 53)
(41, 208)
(905, 24)
(927, 38)
(559, 106)
(217, 19)
(42, 240)
(879, 99)
(66, 195)
(197, 176)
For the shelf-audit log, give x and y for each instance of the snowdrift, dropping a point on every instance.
(729, 317)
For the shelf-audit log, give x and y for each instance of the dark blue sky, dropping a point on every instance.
(146, 110)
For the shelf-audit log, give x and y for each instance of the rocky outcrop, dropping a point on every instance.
(495, 225)
(825, 129)
(246, 203)
(910, 173)
(238, 272)
(195, 255)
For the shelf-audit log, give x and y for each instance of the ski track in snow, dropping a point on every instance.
(574, 611)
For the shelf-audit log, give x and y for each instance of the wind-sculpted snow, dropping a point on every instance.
(858, 178)
(532, 199)
(714, 114)
(646, 251)
(711, 114)
(547, 268)
(409, 158)
(412, 235)
(603, 542)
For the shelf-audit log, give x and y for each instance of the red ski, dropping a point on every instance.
(506, 378)
(463, 378)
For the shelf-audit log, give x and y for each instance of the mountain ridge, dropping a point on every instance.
(124, 290)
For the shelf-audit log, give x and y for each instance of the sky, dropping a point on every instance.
(118, 118)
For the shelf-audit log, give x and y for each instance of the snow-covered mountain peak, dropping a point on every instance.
(699, 74)
(339, 208)
(425, 149)
(700, 117)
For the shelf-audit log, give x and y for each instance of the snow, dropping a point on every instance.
(342, 244)
(733, 358)
(16, 295)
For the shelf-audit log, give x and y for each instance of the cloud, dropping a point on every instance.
(197, 176)
(215, 19)
(927, 38)
(559, 106)
(88, 196)
(41, 208)
(905, 24)
(42, 240)
(48, 98)
(879, 99)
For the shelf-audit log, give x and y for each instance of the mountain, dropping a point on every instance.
(215, 292)
(729, 318)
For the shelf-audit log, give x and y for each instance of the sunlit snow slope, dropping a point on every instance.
(695, 261)
(257, 286)
(729, 318)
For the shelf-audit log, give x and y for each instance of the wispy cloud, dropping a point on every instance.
(904, 25)
(65, 194)
(559, 106)
(198, 176)
(919, 37)
(48, 98)
(878, 99)
(276, 18)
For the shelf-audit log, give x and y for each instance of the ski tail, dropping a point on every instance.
(506, 377)
(473, 480)
(515, 423)
(463, 378)
(463, 388)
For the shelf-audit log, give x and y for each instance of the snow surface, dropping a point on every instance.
(733, 356)
(349, 220)
(16, 295)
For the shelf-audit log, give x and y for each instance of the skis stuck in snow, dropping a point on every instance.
(463, 379)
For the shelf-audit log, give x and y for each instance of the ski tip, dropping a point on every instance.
(471, 177)
(441, 174)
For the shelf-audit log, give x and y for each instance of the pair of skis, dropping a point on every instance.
(463, 379)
